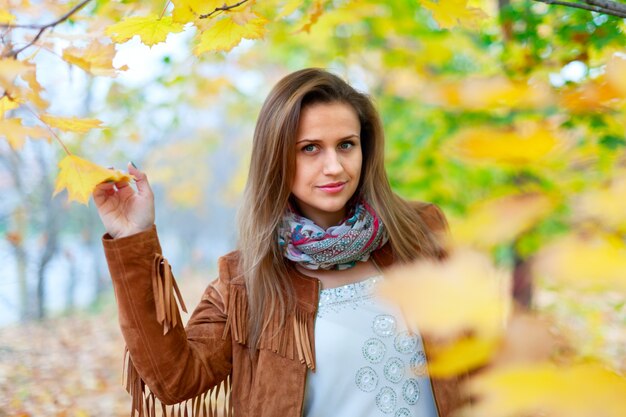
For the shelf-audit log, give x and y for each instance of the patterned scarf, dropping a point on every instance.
(338, 247)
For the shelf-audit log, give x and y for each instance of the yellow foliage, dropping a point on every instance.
(6, 17)
(606, 205)
(426, 289)
(34, 93)
(16, 133)
(10, 69)
(289, 7)
(6, 104)
(507, 147)
(451, 13)
(488, 93)
(150, 29)
(225, 34)
(461, 356)
(615, 70)
(96, 58)
(187, 10)
(496, 221)
(313, 15)
(80, 177)
(581, 390)
(71, 124)
(590, 260)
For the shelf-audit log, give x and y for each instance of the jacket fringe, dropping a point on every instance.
(164, 287)
(290, 341)
(145, 404)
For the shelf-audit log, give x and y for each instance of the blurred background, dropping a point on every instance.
(509, 115)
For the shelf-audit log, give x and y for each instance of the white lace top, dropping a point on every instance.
(368, 363)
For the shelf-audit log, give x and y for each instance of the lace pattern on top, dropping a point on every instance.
(347, 296)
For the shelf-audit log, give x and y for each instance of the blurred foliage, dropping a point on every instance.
(510, 115)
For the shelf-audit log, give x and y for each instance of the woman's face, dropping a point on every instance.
(328, 161)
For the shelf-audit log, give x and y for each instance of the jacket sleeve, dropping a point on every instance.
(175, 363)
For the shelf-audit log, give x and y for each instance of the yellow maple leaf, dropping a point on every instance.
(150, 29)
(579, 390)
(313, 15)
(461, 356)
(590, 261)
(225, 34)
(500, 220)
(71, 124)
(6, 104)
(451, 13)
(96, 58)
(506, 146)
(6, 17)
(16, 133)
(34, 93)
(80, 177)
(10, 69)
(187, 10)
(427, 289)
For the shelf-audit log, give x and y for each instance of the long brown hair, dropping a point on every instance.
(268, 190)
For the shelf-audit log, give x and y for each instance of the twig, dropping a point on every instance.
(49, 128)
(42, 28)
(607, 6)
(224, 8)
(167, 3)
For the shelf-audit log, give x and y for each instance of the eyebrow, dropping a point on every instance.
(354, 135)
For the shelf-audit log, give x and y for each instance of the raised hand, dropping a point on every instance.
(123, 210)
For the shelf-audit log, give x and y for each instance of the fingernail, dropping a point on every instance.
(133, 164)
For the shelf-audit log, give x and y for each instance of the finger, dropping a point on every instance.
(121, 184)
(141, 179)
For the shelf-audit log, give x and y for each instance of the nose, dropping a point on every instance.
(332, 164)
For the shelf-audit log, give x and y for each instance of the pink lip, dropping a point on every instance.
(332, 188)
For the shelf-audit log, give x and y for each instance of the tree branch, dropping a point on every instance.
(600, 6)
(224, 8)
(42, 28)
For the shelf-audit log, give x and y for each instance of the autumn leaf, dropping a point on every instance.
(225, 34)
(187, 10)
(461, 356)
(289, 7)
(80, 177)
(150, 29)
(6, 104)
(589, 261)
(579, 390)
(506, 146)
(451, 13)
(71, 124)
(96, 58)
(615, 70)
(10, 69)
(312, 16)
(487, 93)
(16, 133)
(496, 221)
(426, 289)
(605, 205)
(33, 94)
(6, 17)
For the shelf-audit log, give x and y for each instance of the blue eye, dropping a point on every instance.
(346, 145)
(309, 148)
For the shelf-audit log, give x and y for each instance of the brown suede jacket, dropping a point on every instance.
(192, 365)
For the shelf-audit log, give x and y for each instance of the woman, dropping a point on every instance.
(290, 327)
